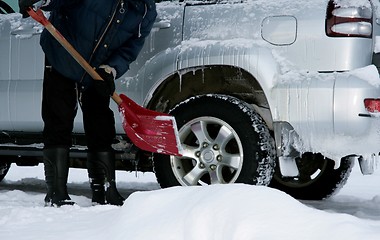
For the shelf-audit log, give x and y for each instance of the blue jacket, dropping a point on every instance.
(110, 32)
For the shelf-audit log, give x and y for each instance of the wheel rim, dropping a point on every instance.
(213, 153)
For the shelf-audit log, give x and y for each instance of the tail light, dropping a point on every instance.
(372, 105)
(343, 20)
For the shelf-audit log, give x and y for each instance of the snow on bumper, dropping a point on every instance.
(326, 112)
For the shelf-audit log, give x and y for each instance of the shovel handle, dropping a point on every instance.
(39, 16)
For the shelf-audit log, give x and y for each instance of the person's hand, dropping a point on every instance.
(24, 5)
(106, 87)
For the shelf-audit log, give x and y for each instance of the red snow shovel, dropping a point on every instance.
(148, 130)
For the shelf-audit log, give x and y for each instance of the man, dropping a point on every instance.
(109, 34)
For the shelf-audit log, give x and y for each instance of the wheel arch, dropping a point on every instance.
(215, 79)
(247, 71)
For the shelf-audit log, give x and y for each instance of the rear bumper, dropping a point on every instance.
(327, 113)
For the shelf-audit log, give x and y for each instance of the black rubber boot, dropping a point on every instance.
(97, 180)
(101, 171)
(56, 167)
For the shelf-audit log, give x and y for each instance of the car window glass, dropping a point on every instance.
(8, 6)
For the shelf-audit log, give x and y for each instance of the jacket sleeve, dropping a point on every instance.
(128, 53)
(56, 4)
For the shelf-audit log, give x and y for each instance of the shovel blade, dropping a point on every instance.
(149, 130)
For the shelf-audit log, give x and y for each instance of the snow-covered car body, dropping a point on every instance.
(305, 67)
(287, 52)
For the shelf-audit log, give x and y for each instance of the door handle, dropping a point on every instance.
(162, 24)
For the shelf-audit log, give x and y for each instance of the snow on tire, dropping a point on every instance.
(225, 141)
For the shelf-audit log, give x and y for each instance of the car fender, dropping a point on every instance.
(140, 86)
(253, 58)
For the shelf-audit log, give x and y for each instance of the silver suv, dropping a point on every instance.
(279, 92)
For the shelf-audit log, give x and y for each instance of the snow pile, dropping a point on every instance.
(13, 18)
(286, 6)
(377, 45)
(356, 3)
(368, 73)
(217, 212)
(225, 212)
(21, 28)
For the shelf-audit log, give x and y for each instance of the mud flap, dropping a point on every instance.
(288, 166)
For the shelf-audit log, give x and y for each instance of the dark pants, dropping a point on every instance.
(59, 107)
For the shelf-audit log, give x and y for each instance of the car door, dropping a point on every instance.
(165, 34)
(26, 72)
(5, 28)
(22, 67)
(21, 70)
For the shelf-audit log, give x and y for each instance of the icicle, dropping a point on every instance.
(180, 81)
(146, 10)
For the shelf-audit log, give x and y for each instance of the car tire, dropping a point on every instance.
(4, 167)
(224, 140)
(317, 180)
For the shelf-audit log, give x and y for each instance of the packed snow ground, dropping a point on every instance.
(214, 212)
